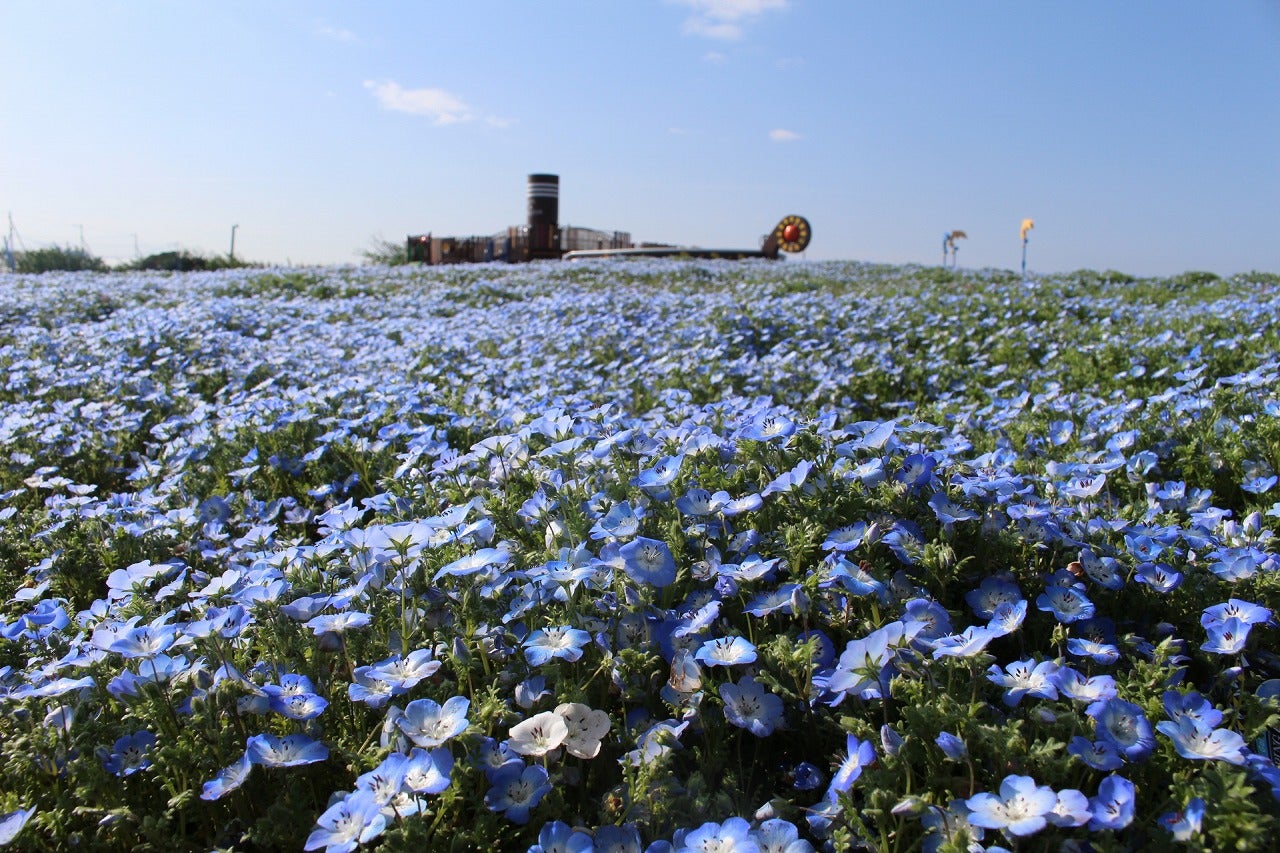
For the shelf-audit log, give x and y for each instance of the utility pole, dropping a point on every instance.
(232, 253)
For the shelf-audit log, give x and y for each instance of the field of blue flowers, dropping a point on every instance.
(642, 556)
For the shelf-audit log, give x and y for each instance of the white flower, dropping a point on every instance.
(538, 735)
(586, 727)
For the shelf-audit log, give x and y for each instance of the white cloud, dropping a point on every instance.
(724, 19)
(335, 33)
(436, 104)
(781, 135)
(715, 57)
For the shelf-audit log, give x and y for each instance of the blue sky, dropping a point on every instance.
(1140, 135)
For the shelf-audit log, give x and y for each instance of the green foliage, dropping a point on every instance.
(57, 258)
(384, 252)
(184, 261)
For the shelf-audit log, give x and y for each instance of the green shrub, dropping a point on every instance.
(56, 258)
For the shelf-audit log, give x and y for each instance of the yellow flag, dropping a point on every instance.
(1027, 225)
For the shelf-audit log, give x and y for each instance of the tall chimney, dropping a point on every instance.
(544, 216)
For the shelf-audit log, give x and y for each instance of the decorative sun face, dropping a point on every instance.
(793, 233)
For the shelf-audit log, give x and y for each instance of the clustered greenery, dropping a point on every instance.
(74, 259)
(198, 467)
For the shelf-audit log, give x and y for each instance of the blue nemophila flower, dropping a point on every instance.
(851, 577)
(228, 779)
(1072, 809)
(1066, 603)
(1227, 637)
(620, 522)
(559, 837)
(777, 835)
(767, 427)
(429, 724)
(12, 823)
(1195, 740)
(354, 820)
(926, 620)
(130, 753)
(1099, 755)
(492, 755)
(1113, 807)
(1260, 484)
(288, 751)
(1084, 486)
(696, 502)
(1104, 571)
(147, 640)
(846, 538)
(561, 642)
(917, 471)
(368, 688)
(1246, 612)
(384, 781)
(864, 661)
(293, 698)
(1007, 618)
(1190, 705)
(428, 771)
(664, 471)
(1024, 678)
(515, 790)
(730, 507)
(1122, 725)
(788, 480)
(731, 836)
(1185, 824)
(952, 747)
(1158, 576)
(806, 777)
(620, 839)
(402, 674)
(531, 691)
(655, 742)
(1021, 808)
(338, 623)
(779, 600)
(858, 754)
(972, 641)
(990, 594)
(947, 512)
(749, 706)
(485, 558)
(648, 561)
(1084, 647)
(726, 651)
(693, 624)
(1076, 685)
(1060, 432)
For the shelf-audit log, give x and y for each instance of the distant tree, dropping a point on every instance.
(56, 258)
(183, 261)
(176, 261)
(382, 251)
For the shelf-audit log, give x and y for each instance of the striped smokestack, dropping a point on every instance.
(544, 215)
